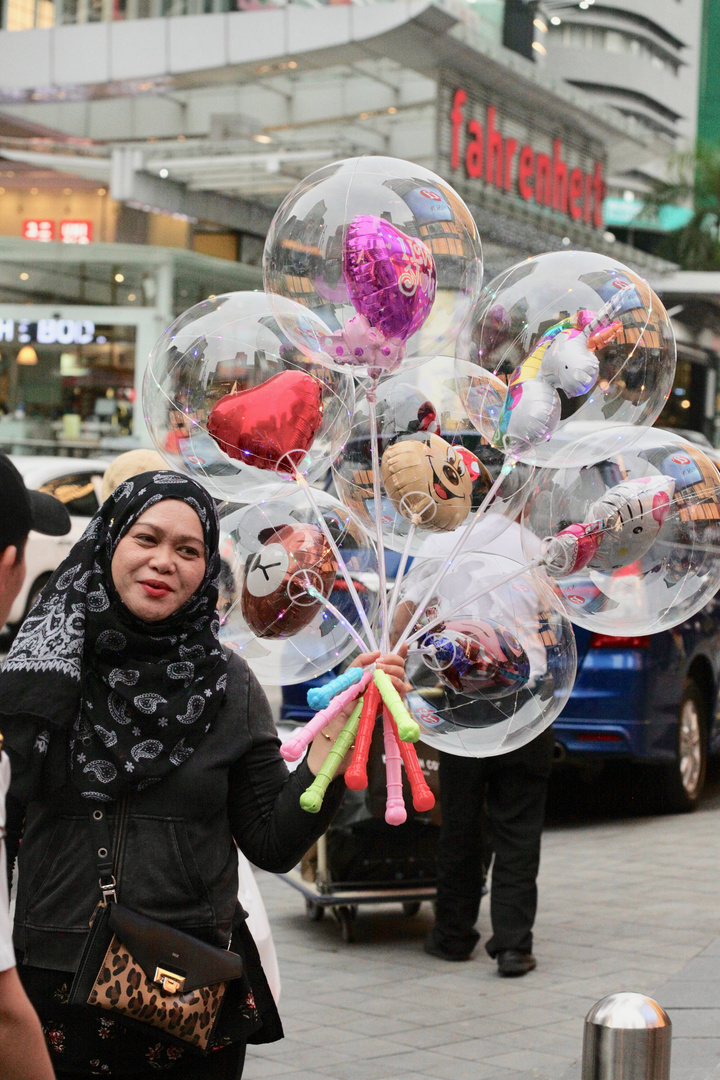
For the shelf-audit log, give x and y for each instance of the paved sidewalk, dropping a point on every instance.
(625, 904)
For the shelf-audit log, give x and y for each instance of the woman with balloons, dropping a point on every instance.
(444, 410)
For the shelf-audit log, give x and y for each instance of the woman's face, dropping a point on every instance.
(160, 561)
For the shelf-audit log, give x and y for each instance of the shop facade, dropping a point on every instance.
(71, 373)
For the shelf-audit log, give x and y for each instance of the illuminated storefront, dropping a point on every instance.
(71, 372)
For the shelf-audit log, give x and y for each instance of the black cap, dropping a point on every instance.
(22, 510)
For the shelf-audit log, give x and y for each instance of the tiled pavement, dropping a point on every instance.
(629, 903)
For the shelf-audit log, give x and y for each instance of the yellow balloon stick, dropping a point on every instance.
(408, 730)
(312, 799)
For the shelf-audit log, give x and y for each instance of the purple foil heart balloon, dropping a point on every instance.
(390, 276)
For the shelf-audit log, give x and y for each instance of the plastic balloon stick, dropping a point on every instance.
(312, 591)
(293, 748)
(422, 797)
(401, 572)
(395, 812)
(301, 480)
(371, 396)
(407, 727)
(312, 798)
(319, 697)
(356, 775)
(468, 600)
(447, 563)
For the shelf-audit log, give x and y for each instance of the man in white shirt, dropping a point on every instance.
(23, 1053)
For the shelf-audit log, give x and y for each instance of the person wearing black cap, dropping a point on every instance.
(23, 1054)
(20, 511)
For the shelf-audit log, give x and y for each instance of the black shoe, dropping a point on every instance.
(512, 962)
(432, 948)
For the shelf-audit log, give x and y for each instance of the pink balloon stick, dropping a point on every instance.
(395, 812)
(356, 775)
(293, 748)
(422, 797)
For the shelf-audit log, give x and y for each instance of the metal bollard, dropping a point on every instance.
(626, 1037)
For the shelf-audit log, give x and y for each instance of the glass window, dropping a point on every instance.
(614, 42)
(76, 491)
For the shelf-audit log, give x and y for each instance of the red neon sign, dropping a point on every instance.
(484, 153)
(76, 232)
(38, 229)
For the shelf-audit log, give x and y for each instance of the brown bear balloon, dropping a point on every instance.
(425, 476)
(274, 600)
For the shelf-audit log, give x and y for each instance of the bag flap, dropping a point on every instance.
(154, 945)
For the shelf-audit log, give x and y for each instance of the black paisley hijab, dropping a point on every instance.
(92, 692)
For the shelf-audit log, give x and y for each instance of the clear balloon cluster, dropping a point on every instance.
(376, 404)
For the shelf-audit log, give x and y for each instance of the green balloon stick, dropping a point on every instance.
(408, 730)
(312, 799)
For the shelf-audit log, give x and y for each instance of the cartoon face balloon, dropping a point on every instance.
(476, 655)
(646, 519)
(574, 322)
(275, 550)
(390, 276)
(623, 524)
(275, 601)
(228, 398)
(417, 411)
(427, 478)
(496, 672)
(387, 257)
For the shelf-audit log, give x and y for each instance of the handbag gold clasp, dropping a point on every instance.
(170, 981)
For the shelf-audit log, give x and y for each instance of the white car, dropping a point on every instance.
(76, 482)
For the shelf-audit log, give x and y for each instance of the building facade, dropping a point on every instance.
(185, 131)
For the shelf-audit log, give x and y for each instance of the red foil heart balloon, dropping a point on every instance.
(390, 277)
(271, 426)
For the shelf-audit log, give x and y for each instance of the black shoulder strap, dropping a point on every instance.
(102, 845)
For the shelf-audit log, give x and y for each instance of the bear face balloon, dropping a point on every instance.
(274, 599)
(473, 656)
(427, 478)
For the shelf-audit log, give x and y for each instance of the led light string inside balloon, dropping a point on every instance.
(568, 541)
(457, 550)
(307, 489)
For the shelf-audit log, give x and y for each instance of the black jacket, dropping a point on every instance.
(175, 856)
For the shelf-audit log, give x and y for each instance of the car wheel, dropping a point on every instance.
(684, 780)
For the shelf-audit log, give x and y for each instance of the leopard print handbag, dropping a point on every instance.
(152, 974)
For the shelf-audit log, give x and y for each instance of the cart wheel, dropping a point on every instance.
(411, 908)
(345, 915)
(314, 911)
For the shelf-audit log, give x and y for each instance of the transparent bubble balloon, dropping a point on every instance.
(578, 339)
(496, 671)
(632, 541)
(435, 467)
(384, 253)
(273, 551)
(229, 399)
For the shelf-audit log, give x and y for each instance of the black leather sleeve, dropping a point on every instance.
(264, 809)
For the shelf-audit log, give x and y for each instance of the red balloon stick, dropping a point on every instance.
(422, 797)
(356, 774)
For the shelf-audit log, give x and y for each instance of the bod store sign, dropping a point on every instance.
(479, 150)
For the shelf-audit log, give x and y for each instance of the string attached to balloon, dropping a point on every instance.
(457, 550)
(309, 495)
(633, 514)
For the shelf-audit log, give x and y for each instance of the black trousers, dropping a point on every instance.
(514, 788)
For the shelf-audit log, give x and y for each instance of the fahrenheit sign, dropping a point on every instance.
(480, 151)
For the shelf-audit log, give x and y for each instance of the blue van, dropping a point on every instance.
(652, 700)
